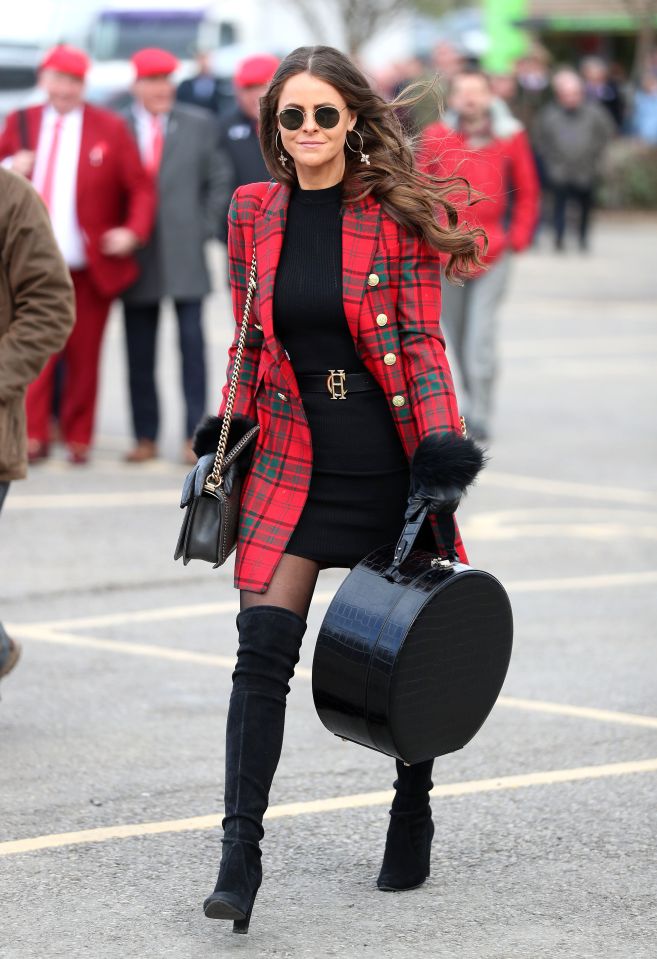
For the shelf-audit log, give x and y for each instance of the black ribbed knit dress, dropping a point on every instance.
(359, 485)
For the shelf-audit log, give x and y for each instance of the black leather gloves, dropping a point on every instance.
(439, 499)
(442, 468)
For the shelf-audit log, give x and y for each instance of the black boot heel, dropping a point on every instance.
(221, 905)
(240, 876)
(241, 926)
(407, 857)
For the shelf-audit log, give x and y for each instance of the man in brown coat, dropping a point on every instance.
(37, 311)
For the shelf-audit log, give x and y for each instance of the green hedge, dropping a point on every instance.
(629, 176)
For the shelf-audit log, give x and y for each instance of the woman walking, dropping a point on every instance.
(344, 369)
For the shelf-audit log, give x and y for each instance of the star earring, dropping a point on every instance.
(364, 157)
(281, 156)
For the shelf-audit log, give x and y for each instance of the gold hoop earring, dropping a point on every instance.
(364, 157)
(281, 156)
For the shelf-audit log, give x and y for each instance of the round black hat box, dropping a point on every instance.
(410, 660)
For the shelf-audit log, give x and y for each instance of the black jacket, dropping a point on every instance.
(238, 140)
(207, 96)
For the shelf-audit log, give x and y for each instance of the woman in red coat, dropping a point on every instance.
(344, 369)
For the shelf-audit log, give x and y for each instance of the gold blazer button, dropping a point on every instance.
(398, 400)
(390, 359)
(382, 319)
(257, 326)
(373, 279)
(282, 396)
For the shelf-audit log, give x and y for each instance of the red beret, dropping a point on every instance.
(154, 63)
(256, 71)
(66, 60)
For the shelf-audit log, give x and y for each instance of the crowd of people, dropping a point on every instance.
(133, 201)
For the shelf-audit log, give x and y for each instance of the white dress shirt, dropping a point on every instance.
(63, 207)
(144, 127)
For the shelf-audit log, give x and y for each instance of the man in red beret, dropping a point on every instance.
(83, 162)
(238, 133)
(178, 144)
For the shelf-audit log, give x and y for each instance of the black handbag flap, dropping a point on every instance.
(195, 479)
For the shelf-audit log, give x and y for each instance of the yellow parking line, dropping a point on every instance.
(549, 346)
(574, 583)
(44, 635)
(492, 477)
(578, 712)
(576, 305)
(154, 615)
(129, 649)
(555, 487)
(200, 610)
(158, 497)
(333, 804)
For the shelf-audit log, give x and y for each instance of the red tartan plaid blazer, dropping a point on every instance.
(391, 290)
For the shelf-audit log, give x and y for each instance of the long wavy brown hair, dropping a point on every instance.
(418, 202)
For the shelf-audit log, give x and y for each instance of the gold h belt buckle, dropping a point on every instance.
(336, 384)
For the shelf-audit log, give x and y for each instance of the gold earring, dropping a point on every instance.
(364, 157)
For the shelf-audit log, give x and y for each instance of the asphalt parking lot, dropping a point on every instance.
(111, 726)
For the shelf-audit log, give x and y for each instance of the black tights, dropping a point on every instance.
(292, 587)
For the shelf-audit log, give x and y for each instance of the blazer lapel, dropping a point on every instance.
(360, 230)
(172, 140)
(32, 120)
(131, 121)
(87, 143)
(269, 231)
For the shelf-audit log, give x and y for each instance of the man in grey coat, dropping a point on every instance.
(178, 144)
(570, 136)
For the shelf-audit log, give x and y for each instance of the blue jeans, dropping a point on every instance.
(469, 320)
(141, 322)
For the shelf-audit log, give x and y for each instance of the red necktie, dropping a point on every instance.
(157, 142)
(51, 163)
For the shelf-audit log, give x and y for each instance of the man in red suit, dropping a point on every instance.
(84, 163)
(482, 142)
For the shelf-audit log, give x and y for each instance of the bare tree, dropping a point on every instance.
(437, 8)
(309, 11)
(644, 13)
(360, 20)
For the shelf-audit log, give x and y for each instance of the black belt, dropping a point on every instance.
(336, 383)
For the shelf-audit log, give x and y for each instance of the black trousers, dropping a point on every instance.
(582, 197)
(141, 322)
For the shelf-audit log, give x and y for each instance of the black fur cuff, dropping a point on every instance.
(206, 437)
(446, 460)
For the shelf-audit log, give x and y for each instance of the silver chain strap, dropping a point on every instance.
(215, 476)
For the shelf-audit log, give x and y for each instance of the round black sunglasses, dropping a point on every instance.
(291, 118)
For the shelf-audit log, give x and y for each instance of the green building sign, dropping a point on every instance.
(507, 42)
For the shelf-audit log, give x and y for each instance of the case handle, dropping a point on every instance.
(409, 534)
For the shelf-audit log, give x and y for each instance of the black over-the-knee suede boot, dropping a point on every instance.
(269, 643)
(407, 857)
